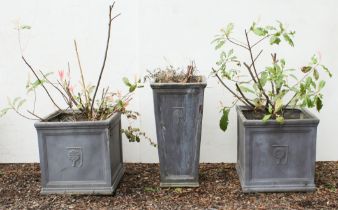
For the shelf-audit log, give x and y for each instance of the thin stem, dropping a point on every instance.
(251, 74)
(231, 91)
(291, 100)
(32, 113)
(70, 96)
(259, 41)
(37, 77)
(240, 91)
(22, 115)
(236, 43)
(255, 70)
(58, 89)
(82, 77)
(105, 56)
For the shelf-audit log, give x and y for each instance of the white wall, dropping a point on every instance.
(147, 32)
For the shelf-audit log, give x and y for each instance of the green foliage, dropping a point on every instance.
(224, 121)
(270, 89)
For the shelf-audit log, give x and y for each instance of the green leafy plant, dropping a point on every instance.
(270, 90)
(85, 102)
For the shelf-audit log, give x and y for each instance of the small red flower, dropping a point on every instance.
(61, 74)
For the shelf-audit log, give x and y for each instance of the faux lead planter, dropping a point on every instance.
(178, 115)
(80, 157)
(276, 158)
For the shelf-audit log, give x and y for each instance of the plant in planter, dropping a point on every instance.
(276, 148)
(80, 145)
(178, 102)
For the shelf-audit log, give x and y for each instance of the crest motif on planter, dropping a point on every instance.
(75, 155)
(280, 153)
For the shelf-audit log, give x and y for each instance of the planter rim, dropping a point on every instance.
(106, 122)
(310, 118)
(157, 85)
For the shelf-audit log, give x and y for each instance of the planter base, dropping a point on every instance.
(274, 187)
(87, 190)
(179, 184)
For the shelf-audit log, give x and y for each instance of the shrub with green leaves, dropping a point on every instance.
(274, 88)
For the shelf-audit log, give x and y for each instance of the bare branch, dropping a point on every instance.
(236, 43)
(82, 77)
(255, 70)
(259, 41)
(32, 113)
(231, 91)
(105, 55)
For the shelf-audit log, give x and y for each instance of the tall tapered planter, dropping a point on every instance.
(178, 114)
(80, 157)
(275, 158)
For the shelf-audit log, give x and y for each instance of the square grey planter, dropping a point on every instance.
(80, 157)
(178, 115)
(276, 158)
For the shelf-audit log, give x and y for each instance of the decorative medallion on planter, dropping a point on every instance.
(82, 157)
(274, 157)
(178, 114)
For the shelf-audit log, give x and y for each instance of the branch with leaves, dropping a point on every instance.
(83, 102)
(269, 90)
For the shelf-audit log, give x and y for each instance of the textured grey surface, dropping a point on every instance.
(80, 157)
(276, 158)
(178, 115)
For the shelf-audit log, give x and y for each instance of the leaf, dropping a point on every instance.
(306, 69)
(259, 31)
(280, 119)
(231, 51)
(25, 27)
(278, 105)
(178, 190)
(319, 104)
(132, 88)
(288, 39)
(315, 74)
(246, 89)
(266, 117)
(282, 62)
(219, 44)
(314, 59)
(15, 100)
(293, 76)
(309, 102)
(229, 29)
(264, 78)
(21, 102)
(223, 123)
(270, 28)
(126, 81)
(321, 84)
(327, 70)
(4, 111)
(270, 109)
(274, 40)
(149, 189)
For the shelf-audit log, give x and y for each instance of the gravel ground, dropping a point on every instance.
(139, 189)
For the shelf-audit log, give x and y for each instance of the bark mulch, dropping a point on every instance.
(139, 189)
